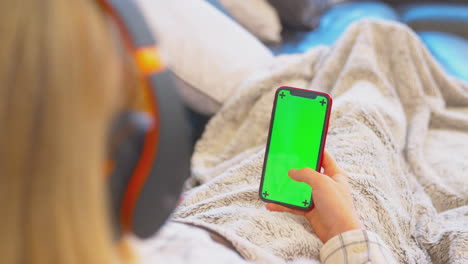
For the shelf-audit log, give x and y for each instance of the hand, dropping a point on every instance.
(333, 212)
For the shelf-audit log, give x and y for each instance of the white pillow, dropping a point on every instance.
(209, 52)
(257, 16)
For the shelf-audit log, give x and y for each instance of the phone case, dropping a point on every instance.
(300, 93)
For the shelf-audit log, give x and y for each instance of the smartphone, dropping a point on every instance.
(298, 130)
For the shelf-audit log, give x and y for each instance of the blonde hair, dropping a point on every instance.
(59, 75)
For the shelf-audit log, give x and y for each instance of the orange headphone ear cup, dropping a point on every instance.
(171, 165)
(151, 156)
(126, 140)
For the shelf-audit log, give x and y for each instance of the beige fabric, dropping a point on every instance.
(208, 51)
(399, 126)
(257, 16)
(178, 243)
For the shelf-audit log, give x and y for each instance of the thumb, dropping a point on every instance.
(309, 176)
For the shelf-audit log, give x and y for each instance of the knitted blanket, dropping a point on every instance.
(399, 127)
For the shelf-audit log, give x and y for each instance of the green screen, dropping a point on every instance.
(295, 142)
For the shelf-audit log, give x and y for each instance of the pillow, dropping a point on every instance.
(208, 52)
(449, 18)
(300, 13)
(451, 51)
(257, 16)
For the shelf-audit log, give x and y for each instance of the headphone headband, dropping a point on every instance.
(152, 164)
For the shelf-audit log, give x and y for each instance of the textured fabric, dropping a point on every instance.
(357, 246)
(180, 243)
(399, 126)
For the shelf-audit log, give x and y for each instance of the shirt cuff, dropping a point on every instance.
(356, 246)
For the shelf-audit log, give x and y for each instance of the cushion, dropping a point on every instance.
(334, 22)
(257, 16)
(300, 13)
(443, 17)
(450, 51)
(208, 52)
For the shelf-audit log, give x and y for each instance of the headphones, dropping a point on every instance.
(150, 155)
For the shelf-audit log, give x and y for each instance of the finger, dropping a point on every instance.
(341, 178)
(311, 177)
(329, 164)
(280, 208)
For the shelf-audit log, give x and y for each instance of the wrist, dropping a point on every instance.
(350, 226)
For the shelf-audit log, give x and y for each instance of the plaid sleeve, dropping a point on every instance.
(356, 246)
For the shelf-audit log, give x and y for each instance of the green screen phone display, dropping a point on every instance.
(296, 140)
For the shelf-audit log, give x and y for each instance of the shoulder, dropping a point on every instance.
(181, 243)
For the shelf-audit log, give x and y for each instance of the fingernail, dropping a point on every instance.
(292, 171)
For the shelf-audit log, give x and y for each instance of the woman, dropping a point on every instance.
(63, 77)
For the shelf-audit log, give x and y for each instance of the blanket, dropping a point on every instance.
(399, 127)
